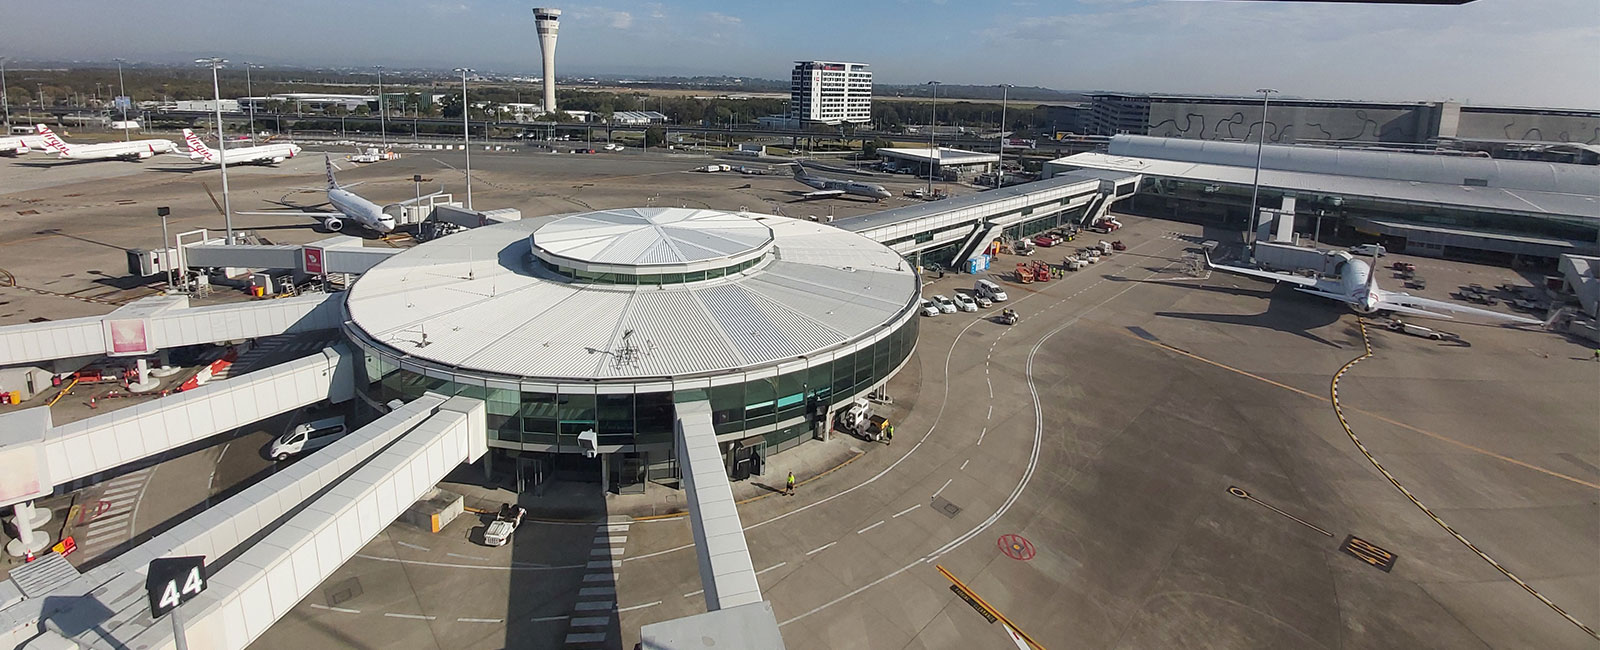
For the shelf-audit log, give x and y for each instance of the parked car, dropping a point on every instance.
(1369, 250)
(1045, 241)
(505, 523)
(308, 436)
(945, 305)
(965, 302)
(982, 300)
(929, 309)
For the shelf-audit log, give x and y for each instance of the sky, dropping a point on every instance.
(1503, 52)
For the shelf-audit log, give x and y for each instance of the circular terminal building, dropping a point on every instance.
(601, 321)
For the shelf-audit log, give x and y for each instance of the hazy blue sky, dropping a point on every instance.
(1523, 52)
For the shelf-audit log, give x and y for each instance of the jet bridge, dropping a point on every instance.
(107, 607)
(156, 323)
(39, 457)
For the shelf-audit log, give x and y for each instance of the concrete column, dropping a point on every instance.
(145, 382)
(605, 472)
(27, 520)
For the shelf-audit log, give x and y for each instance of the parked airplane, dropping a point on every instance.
(352, 206)
(1357, 286)
(135, 150)
(828, 187)
(267, 154)
(18, 145)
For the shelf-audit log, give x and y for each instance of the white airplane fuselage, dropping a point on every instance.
(359, 210)
(134, 150)
(266, 154)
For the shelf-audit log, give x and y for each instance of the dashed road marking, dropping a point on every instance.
(914, 507)
(345, 610)
(820, 549)
(480, 620)
(942, 487)
(964, 465)
(412, 546)
(417, 617)
(981, 434)
(638, 607)
(880, 523)
(777, 565)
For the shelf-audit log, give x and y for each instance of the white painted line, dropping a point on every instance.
(897, 514)
(991, 388)
(413, 546)
(990, 414)
(775, 566)
(410, 616)
(590, 637)
(629, 609)
(606, 551)
(480, 620)
(594, 606)
(942, 487)
(615, 528)
(591, 621)
(820, 549)
(121, 490)
(106, 522)
(694, 593)
(981, 434)
(597, 577)
(452, 565)
(336, 609)
(964, 465)
(597, 591)
(468, 557)
(602, 564)
(547, 619)
(880, 523)
(613, 541)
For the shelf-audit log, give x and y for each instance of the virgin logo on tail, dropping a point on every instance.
(196, 145)
(50, 139)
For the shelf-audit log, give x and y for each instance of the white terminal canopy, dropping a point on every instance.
(658, 239)
(684, 292)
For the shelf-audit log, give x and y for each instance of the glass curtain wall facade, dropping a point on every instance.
(778, 406)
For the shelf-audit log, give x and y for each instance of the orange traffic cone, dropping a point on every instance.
(27, 557)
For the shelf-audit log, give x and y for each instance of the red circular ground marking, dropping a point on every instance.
(1016, 547)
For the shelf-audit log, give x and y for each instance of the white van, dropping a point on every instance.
(990, 290)
(308, 436)
(1369, 250)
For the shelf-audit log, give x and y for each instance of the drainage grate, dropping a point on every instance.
(342, 591)
(949, 509)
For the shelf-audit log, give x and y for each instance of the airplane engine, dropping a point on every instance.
(277, 160)
(333, 225)
(145, 154)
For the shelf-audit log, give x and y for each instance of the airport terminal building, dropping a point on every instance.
(1513, 212)
(581, 332)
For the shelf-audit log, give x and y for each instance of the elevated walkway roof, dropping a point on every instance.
(40, 457)
(162, 322)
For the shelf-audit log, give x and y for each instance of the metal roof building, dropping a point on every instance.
(1519, 207)
(944, 160)
(601, 320)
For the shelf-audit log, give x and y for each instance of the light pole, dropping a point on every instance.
(1000, 174)
(222, 145)
(466, 132)
(933, 123)
(250, 95)
(383, 118)
(1255, 190)
(5, 102)
(122, 90)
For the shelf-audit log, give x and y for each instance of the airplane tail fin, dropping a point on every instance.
(799, 170)
(196, 145)
(1372, 273)
(332, 184)
(55, 143)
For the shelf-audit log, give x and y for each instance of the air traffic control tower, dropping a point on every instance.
(548, 22)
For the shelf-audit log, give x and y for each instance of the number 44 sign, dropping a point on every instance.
(173, 581)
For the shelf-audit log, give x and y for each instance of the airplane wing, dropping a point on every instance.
(1407, 303)
(288, 213)
(1274, 276)
(822, 194)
